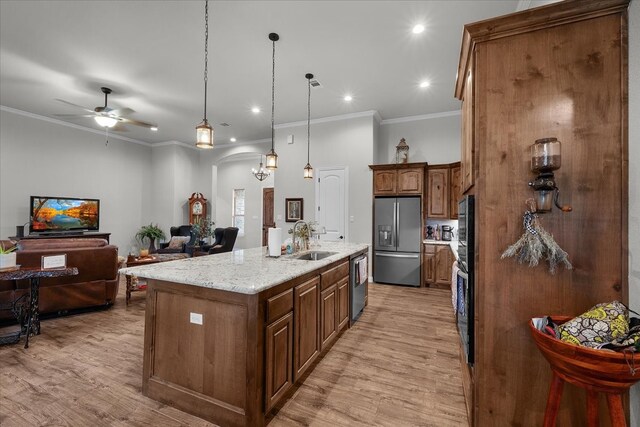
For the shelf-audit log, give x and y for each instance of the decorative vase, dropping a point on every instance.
(144, 253)
(7, 261)
(152, 245)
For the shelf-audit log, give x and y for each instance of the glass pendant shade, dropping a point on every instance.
(106, 121)
(272, 160)
(204, 135)
(308, 172)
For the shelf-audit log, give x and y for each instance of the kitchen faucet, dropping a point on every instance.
(295, 226)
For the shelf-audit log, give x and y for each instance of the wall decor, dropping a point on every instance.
(293, 209)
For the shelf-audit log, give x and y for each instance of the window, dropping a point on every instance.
(237, 215)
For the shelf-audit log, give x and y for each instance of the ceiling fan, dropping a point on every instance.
(106, 116)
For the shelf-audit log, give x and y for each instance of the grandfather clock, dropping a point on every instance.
(197, 208)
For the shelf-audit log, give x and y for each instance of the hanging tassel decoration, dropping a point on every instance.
(536, 243)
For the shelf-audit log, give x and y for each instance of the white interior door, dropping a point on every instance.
(331, 203)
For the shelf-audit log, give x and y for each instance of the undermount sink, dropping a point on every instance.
(315, 255)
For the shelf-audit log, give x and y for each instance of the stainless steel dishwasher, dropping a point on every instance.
(357, 287)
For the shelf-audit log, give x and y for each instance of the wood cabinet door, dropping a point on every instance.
(467, 133)
(455, 193)
(279, 363)
(306, 345)
(429, 264)
(443, 265)
(328, 315)
(384, 182)
(343, 303)
(438, 193)
(410, 181)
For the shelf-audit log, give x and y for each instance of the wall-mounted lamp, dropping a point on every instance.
(545, 158)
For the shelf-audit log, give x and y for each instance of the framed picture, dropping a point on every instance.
(293, 209)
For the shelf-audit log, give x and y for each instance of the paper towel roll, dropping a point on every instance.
(275, 241)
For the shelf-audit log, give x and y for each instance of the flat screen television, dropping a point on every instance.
(63, 214)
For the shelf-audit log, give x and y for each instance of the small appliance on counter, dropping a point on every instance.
(447, 233)
(430, 235)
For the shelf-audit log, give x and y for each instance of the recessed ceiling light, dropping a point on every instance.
(233, 140)
(153, 128)
(425, 84)
(418, 29)
(348, 98)
(255, 110)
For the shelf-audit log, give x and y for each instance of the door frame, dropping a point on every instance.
(345, 169)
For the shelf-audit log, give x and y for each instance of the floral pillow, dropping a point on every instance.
(176, 242)
(599, 326)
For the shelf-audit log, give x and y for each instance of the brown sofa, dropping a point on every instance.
(95, 285)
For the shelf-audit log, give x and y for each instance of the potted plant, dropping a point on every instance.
(151, 232)
(7, 256)
(202, 229)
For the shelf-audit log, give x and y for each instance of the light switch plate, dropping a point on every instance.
(195, 318)
(289, 139)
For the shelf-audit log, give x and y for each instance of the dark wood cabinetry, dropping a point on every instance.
(444, 191)
(279, 361)
(405, 179)
(553, 71)
(455, 190)
(328, 316)
(438, 193)
(438, 261)
(343, 303)
(306, 337)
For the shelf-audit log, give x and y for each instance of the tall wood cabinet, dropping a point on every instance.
(444, 191)
(554, 71)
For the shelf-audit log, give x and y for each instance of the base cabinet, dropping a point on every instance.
(279, 361)
(343, 303)
(437, 260)
(306, 336)
(328, 316)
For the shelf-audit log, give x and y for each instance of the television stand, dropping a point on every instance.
(65, 235)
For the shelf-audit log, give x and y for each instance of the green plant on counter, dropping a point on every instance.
(151, 232)
(6, 251)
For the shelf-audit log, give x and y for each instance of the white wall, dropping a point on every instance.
(434, 140)
(634, 179)
(42, 158)
(236, 174)
(342, 143)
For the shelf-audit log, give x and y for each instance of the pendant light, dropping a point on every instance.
(204, 131)
(308, 170)
(272, 157)
(261, 173)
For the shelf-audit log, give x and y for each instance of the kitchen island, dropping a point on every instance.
(228, 335)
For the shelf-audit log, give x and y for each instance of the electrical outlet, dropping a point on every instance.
(195, 318)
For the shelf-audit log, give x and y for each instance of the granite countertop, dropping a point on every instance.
(245, 271)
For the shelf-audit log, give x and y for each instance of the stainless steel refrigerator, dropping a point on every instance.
(397, 235)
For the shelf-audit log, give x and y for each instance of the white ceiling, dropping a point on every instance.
(151, 54)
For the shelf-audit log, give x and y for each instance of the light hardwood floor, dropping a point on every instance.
(397, 366)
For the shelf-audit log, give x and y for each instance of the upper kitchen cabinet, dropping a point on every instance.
(438, 192)
(444, 191)
(405, 179)
(554, 71)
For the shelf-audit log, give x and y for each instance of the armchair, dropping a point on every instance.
(225, 244)
(178, 245)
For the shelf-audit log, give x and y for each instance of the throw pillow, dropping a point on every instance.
(176, 242)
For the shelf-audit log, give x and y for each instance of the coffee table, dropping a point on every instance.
(132, 283)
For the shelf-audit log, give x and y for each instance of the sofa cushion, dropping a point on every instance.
(176, 242)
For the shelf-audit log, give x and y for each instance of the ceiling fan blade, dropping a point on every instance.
(119, 127)
(73, 116)
(136, 122)
(121, 112)
(74, 105)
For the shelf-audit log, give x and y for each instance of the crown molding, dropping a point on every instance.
(178, 143)
(71, 125)
(421, 117)
(370, 113)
